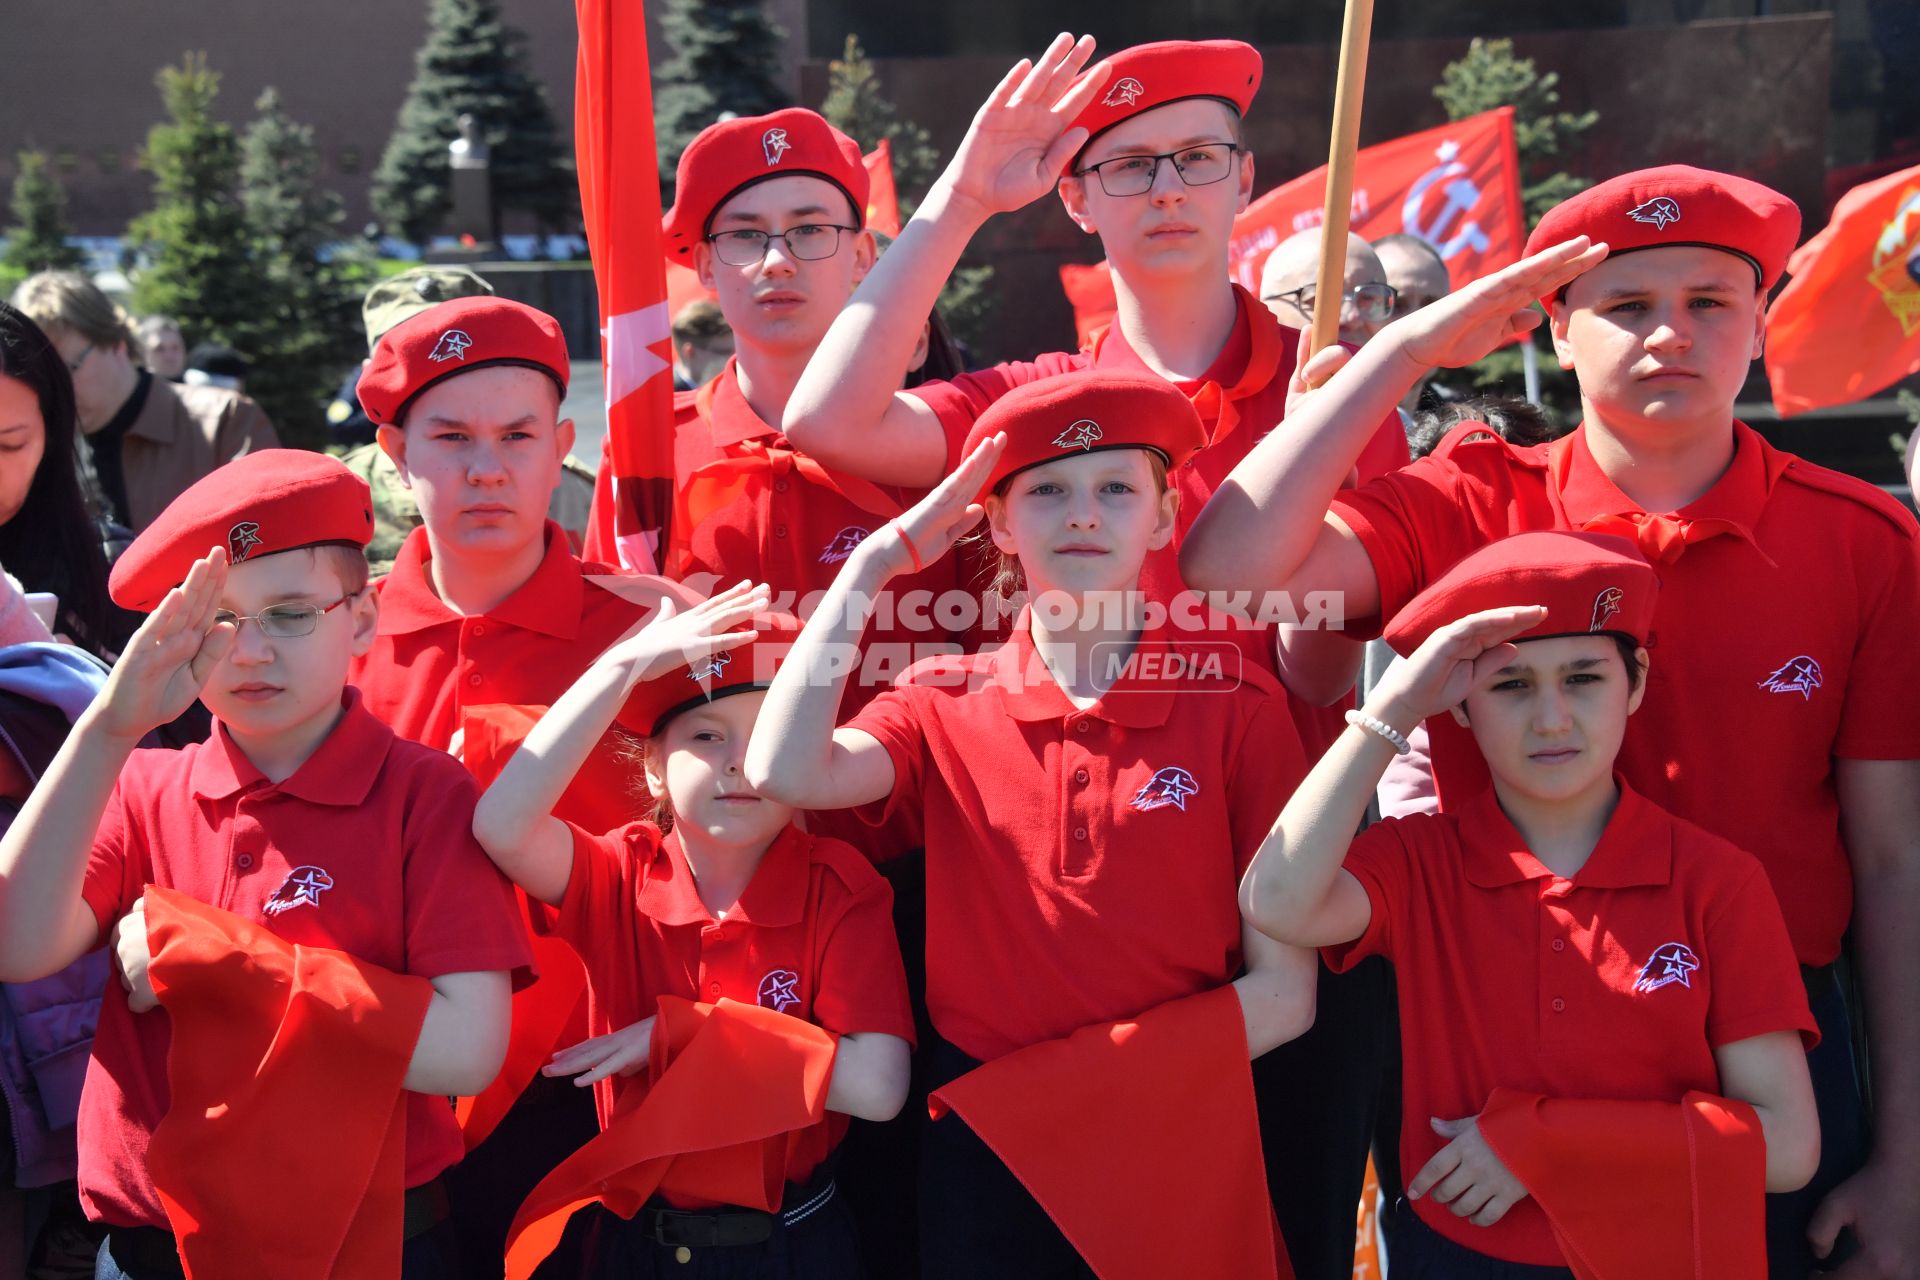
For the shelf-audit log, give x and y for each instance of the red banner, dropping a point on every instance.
(1457, 187)
(1849, 322)
(620, 200)
(883, 201)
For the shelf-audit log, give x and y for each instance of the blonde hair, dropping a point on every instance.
(68, 300)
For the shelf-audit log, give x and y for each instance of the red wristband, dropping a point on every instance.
(911, 549)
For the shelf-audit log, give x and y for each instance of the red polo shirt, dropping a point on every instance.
(367, 848)
(1617, 983)
(1240, 399)
(1082, 866)
(812, 935)
(429, 664)
(1783, 638)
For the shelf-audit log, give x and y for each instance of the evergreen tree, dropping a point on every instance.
(857, 107)
(198, 265)
(725, 59)
(311, 335)
(37, 240)
(1491, 75)
(472, 63)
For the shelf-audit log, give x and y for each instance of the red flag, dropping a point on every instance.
(883, 202)
(1457, 187)
(1849, 322)
(620, 199)
(1090, 290)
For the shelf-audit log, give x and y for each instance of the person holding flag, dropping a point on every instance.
(1790, 598)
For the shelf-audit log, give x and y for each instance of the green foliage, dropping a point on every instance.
(1490, 75)
(856, 105)
(37, 238)
(472, 63)
(725, 59)
(305, 342)
(198, 265)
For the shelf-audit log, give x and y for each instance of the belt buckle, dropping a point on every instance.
(667, 1228)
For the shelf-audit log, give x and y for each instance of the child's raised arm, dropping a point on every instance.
(514, 820)
(1295, 890)
(797, 756)
(45, 924)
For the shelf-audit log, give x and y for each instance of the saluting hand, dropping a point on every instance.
(675, 637)
(1443, 670)
(170, 657)
(1466, 325)
(624, 1052)
(937, 521)
(1019, 141)
(1466, 1175)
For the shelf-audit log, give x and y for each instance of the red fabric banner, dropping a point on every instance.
(883, 201)
(1848, 323)
(620, 201)
(1457, 187)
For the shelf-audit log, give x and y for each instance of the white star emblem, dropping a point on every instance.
(631, 360)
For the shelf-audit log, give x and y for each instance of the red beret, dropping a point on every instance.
(1678, 204)
(456, 337)
(1085, 412)
(731, 156)
(1152, 75)
(1589, 582)
(262, 502)
(741, 669)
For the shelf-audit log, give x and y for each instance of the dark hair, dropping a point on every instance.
(1517, 422)
(1629, 655)
(944, 361)
(52, 543)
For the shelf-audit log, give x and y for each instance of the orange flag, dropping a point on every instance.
(1457, 187)
(1641, 1190)
(1140, 1139)
(1849, 321)
(620, 202)
(285, 1070)
(883, 202)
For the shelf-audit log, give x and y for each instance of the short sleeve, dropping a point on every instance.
(116, 866)
(957, 402)
(460, 912)
(893, 719)
(862, 984)
(1877, 720)
(591, 909)
(1379, 859)
(1757, 986)
(1268, 765)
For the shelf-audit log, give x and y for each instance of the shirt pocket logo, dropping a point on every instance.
(1670, 962)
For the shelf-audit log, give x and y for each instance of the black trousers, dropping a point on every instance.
(822, 1245)
(1844, 1130)
(1416, 1251)
(550, 1121)
(1318, 1097)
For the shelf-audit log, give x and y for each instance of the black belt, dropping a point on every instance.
(729, 1228)
(150, 1253)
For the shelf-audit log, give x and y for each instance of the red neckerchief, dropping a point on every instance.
(1589, 501)
(1218, 404)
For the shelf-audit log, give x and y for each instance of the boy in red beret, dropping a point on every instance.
(1573, 960)
(1790, 598)
(361, 943)
(486, 618)
(721, 901)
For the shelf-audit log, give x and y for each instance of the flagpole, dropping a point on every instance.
(1530, 368)
(1349, 89)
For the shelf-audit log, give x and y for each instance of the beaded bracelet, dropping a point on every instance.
(1361, 720)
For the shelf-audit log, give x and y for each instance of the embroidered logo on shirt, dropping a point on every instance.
(1801, 675)
(843, 544)
(241, 540)
(1658, 212)
(777, 990)
(302, 888)
(1670, 962)
(1169, 786)
(774, 141)
(1124, 94)
(1083, 434)
(709, 667)
(1605, 605)
(453, 345)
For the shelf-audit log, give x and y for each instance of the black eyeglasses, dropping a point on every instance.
(809, 241)
(1200, 166)
(1374, 302)
(283, 621)
(73, 365)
